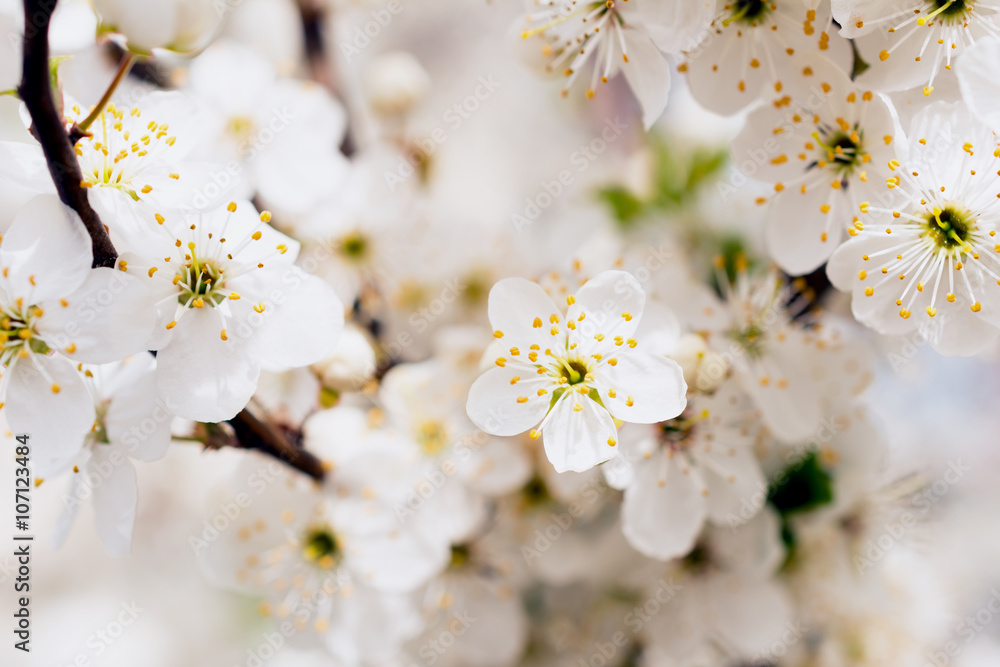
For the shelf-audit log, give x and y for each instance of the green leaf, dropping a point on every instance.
(805, 486)
(625, 206)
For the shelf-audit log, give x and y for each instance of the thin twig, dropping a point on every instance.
(79, 130)
(47, 126)
(313, 15)
(255, 434)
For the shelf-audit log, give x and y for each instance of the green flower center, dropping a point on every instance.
(950, 228)
(200, 283)
(536, 492)
(574, 370)
(460, 556)
(952, 10)
(353, 246)
(748, 11)
(17, 333)
(319, 544)
(841, 151)
(750, 338)
(432, 437)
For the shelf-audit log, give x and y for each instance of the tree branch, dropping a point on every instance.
(313, 15)
(47, 126)
(255, 434)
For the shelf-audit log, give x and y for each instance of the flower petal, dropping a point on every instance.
(664, 509)
(494, 403)
(609, 305)
(654, 385)
(579, 439)
(108, 318)
(114, 498)
(514, 304)
(46, 253)
(305, 323)
(202, 376)
(57, 421)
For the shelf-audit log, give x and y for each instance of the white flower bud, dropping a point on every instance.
(704, 369)
(352, 363)
(396, 83)
(184, 26)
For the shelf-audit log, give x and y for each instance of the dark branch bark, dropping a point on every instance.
(47, 126)
(255, 434)
(313, 16)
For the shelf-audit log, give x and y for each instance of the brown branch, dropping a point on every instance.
(255, 434)
(313, 15)
(47, 126)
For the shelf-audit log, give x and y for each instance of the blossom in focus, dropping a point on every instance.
(569, 375)
(910, 43)
(229, 301)
(136, 160)
(930, 263)
(825, 146)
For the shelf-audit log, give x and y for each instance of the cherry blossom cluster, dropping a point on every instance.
(630, 427)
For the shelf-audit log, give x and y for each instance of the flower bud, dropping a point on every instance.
(396, 83)
(704, 369)
(351, 365)
(183, 26)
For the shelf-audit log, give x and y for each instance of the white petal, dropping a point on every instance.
(56, 422)
(24, 164)
(305, 325)
(664, 509)
(654, 384)
(114, 498)
(976, 71)
(734, 485)
(202, 376)
(493, 403)
(514, 304)
(751, 615)
(578, 440)
(136, 421)
(47, 251)
(395, 563)
(611, 304)
(648, 75)
(108, 318)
